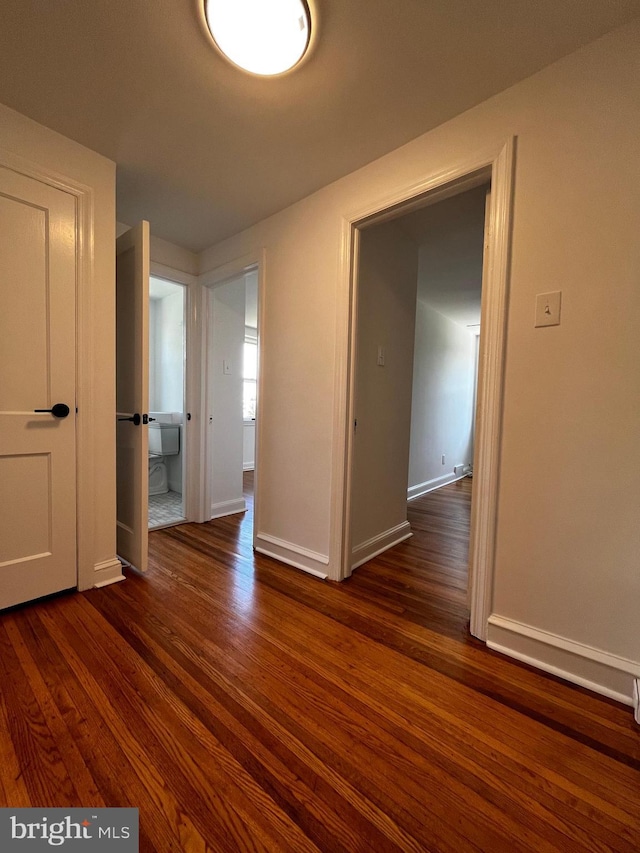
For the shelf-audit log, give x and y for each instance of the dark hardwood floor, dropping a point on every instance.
(245, 706)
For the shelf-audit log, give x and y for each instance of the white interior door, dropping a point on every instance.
(132, 394)
(37, 389)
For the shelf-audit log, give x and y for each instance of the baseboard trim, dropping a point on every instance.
(227, 508)
(421, 489)
(107, 572)
(377, 544)
(249, 466)
(293, 555)
(586, 666)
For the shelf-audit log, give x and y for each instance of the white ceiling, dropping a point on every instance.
(205, 150)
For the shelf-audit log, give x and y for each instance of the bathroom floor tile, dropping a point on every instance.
(165, 509)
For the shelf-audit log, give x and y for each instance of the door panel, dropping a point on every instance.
(132, 394)
(37, 354)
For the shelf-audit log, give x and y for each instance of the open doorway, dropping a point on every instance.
(167, 411)
(419, 296)
(230, 385)
(494, 167)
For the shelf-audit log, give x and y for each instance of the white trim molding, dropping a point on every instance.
(293, 555)
(421, 489)
(597, 670)
(228, 508)
(380, 543)
(107, 572)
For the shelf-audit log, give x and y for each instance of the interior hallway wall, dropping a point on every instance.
(387, 281)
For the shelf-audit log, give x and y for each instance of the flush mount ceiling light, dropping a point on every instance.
(264, 37)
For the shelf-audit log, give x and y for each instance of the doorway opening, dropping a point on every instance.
(419, 280)
(231, 394)
(494, 167)
(167, 410)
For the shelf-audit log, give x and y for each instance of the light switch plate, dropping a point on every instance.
(548, 308)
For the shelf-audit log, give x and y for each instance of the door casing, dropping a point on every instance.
(495, 165)
(88, 574)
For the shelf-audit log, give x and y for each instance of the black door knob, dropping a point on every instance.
(60, 410)
(135, 419)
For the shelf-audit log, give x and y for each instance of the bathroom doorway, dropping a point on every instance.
(167, 411)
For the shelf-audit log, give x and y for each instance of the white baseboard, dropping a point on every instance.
(602, 672)
(107, 572)
(421, 489)
(227, 508)
(248, 466)
(377, 544)
(293, 555)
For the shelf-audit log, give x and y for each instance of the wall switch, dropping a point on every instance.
(226, 366)
(380, 356)
(548, 309)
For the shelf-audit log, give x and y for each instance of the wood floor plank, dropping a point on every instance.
(243, 705)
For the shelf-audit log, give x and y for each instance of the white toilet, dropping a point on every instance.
(164, 440)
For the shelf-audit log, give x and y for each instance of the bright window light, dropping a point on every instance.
(262, 36)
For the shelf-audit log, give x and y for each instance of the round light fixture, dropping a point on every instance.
(264, 37)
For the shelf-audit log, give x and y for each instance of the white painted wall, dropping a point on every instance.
(226, 325)
(248, 446)
(569, 487)
(443, 395)
(97, 506)
(166, 353)
(153, 354)
(251, 329)
(387, 281)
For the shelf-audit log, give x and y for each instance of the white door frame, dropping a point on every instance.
(85, 481)
(226, 272)
(496, 165)
(190, 495)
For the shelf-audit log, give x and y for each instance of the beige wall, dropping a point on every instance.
(568, 536)
(167, 254)
(387, 282)
(51, 151)
(226, 313)
(444, 370)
